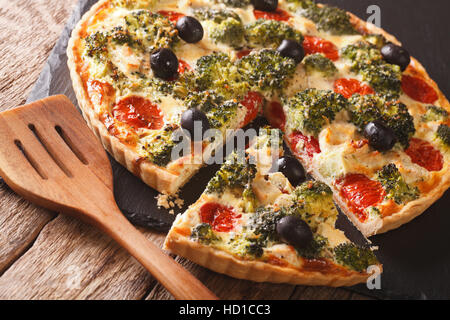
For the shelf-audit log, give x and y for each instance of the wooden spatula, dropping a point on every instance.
(49, 156)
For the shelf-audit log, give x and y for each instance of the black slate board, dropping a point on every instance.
(416, 257)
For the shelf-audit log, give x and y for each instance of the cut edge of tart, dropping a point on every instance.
(234, 227)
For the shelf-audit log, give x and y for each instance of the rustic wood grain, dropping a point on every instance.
(71, 260)
(24, 48)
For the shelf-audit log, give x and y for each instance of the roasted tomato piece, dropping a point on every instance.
(139, 112)
(243, 53)
(173, 16)
(425, 155)
(278, 14)
(276, 116)
(220, 217)
(418, 89)
(98, 91)
(318, 45)
(183, 66)
(360, 193)
(253, 101)
(348, 87)
(311, 144)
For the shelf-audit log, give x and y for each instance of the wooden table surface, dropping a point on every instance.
(44, 255)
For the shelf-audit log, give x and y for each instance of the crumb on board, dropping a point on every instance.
(168, 202)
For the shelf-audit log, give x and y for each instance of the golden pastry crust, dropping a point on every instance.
(223, 262)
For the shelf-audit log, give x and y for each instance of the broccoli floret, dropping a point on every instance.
(360, 53)
(255, 249)
(395, 186)
(329, 19)
(235, 173)
(122, 37)
(314, 203)
(183, 85)
(294, 5)
(384, 78)
(133, 4)
(230, 32)
(215, 15)
(313, 190)
(270, 33)
(367, 61)
(96, 45)
(377, 40)
(443, 133)
(245, 244)
(151, 30)
(355, 257)
(269, 137)
(315, 248)
(203, 233)
(435, 113)
(234, 3)
(179, 88)
(224, 26)
(264, 224)
(266, 69)
(159, 149)
(319, 63)
(250, 201)
(262, 70)
(311, 109)
(218, 111)
(217, 72)
(368, 108)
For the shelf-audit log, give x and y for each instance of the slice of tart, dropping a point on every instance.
(252, 223)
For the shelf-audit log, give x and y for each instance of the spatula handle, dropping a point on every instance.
(177, 280)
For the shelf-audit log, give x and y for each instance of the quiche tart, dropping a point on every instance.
(359, 113)
(251, 223)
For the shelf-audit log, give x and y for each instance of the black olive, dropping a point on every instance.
(190, 29)
(380, 136)
(292, 49)
(292, 169)
(295, 231)
(265, 5)
(192, 118)
(396, 55)
(164, 64)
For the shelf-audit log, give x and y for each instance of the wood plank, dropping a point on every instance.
(30, 29)
(72, 260)
(20, 224)
(24, 52)
(228, 288)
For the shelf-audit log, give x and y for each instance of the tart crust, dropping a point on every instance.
(258, 271)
